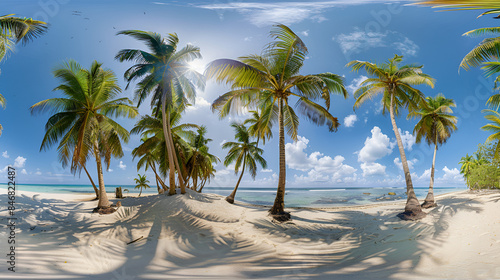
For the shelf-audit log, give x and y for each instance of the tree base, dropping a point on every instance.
(428, 204)
(230, 199)
(412, 215)
(104, 210)
(281, 216)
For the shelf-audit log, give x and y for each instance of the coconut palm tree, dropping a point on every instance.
(199, 163)
(492, 6)
(258, 128)
(466, 166)
(141, 182)
(166, 73)
(395, 83)
(269, 82)
(148, 158)
(14, 30)
(151, 127)
(494, 128)
(243, 152)
(82, 121)
(435, 125)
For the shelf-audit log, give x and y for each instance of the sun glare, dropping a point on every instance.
(198, 65)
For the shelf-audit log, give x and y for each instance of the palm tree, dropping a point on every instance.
(258, 128)
(494, 128)
(82, 121)
(435, 125)
(141, 182)
(15, 30)
(466, 165)
(151, 127)
(166, 73)
(199, 163)
(465, 5)
(395, 84)
(243, 151)
(148, 158)
(268, 82)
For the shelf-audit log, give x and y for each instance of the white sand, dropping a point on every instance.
(200, 236)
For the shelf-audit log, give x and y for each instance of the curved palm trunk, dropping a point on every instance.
(93, 185)
(171, 174)
(230, 198)
(413, 210)
(279, 202)
(140, 192)
(176, 161)
(429, 199)
(158, 178)
(103, 197)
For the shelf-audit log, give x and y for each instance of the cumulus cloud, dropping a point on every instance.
(19, 162)
(452, 175)
(355, 84)
(408, 139)
(376, 147)
(24, 172)
(200, 103)
(121, 165)
(399, 164)
(350, 120)
(372, 168)
(360, 41)
(320, 167)
(5, 154)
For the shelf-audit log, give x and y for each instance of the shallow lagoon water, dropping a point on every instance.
(295, 197)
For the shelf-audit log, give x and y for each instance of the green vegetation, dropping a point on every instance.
(435, 125)
(267, 82)
(395, 83)
(141, 182)
(244, 151)
(482, 169)
(82, 121)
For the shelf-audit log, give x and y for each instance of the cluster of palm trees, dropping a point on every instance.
(82, 123)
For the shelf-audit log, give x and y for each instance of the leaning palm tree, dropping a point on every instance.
(395, 84)
(245, 152)
(141, 182)
(493, 6)
(435, 125)
(148, 158)
(466, 164)
(494, 128)
(14, 30)
(165, 72)
(82, 121)
(269, 82)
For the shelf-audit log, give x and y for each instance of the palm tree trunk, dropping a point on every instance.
(230, 198)
(413, 210)
(93, 185)
(429, 199)
(171, 175)
(158, 185)
(176, 161)
(103, 198)
(279, 203)
(158, 178)
(140, 192)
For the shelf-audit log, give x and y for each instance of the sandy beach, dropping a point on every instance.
(200, 236)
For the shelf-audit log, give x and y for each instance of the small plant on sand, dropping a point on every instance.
(141, 182)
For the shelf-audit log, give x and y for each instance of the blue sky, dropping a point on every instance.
(361, 153)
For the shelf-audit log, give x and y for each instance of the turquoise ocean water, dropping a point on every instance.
(295, 197)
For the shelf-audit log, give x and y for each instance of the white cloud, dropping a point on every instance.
(399, 164)
(320, 167)
(121, 165)
(200, 102)
(305, 33)
(247, 39)
(452, 174)
(360, 41)
(24, 172)
(19, 162)
(350, 120)
(376, 147)
(38, 172)
(267, 170)
(372, 168)
(5, 155)
(355, 84)
(111, 170)
(408, 139)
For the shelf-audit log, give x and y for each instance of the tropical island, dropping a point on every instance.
(174, 217)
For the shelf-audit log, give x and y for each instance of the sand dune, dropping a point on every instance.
(200, 236)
